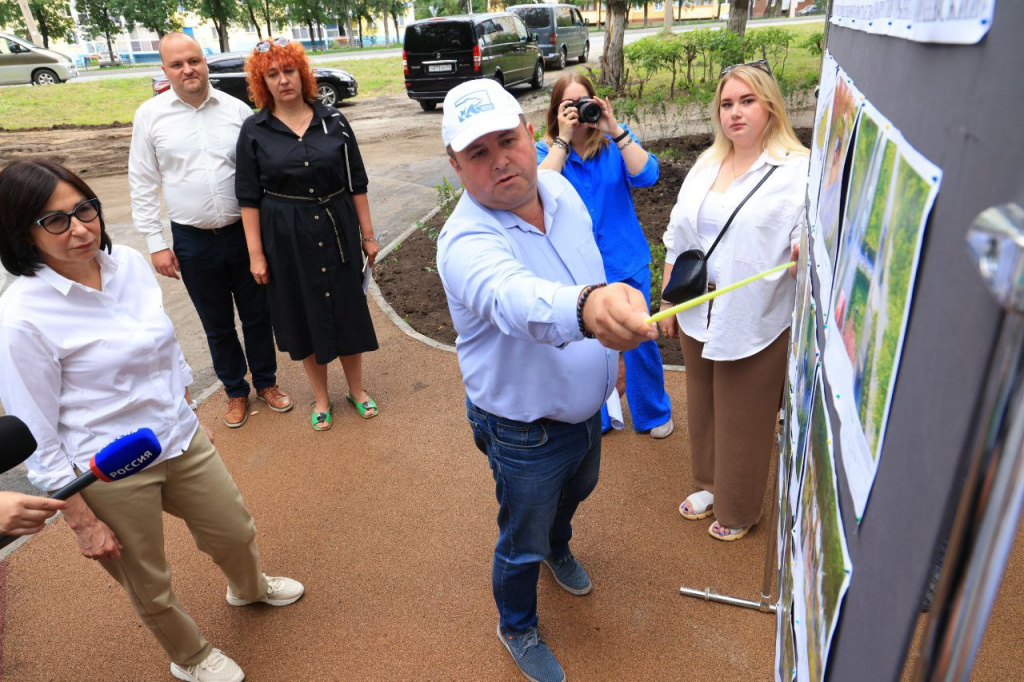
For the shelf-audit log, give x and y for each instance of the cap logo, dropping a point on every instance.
(474, 103)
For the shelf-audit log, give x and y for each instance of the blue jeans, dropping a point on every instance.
(215, 269)
(542, 471)
(648, 402)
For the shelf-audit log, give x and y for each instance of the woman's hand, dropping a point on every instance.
(568, 120)
(794, 257)
(370, 249)
(607, 123)
(96, 540)
(259, 269)
(668, 327)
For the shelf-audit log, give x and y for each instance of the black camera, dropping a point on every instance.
(589, 110)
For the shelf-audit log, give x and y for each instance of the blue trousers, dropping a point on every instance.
(215, 269)
(542, 471)
(648, 402)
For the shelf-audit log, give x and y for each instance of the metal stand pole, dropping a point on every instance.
(764, 604)
(993, 493)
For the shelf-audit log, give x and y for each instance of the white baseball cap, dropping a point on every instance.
(474, 109)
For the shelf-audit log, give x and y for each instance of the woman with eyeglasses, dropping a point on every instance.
(301, 184)
(735, 348)
(603, 160)
(87, 354)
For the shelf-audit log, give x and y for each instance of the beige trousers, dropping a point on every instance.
(732, 410)
(197, 488)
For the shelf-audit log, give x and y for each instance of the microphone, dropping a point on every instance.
(123, 457)
(17, 440)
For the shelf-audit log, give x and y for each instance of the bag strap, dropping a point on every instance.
(737, 210)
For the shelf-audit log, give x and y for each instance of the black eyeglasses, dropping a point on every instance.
(757, 64)
(59, 222)
(266, 44)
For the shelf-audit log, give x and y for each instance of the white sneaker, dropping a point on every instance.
(214, 668)
(280, 592)
(663, 431)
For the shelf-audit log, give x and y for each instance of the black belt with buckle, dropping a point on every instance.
(204, 230)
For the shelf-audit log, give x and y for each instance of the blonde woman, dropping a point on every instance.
(735, 347)
(603, 160)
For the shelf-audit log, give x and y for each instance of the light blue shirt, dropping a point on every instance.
(512, 291)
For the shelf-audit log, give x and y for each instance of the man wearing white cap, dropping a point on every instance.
(538, 334)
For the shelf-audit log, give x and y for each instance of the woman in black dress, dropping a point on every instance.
(301, 184)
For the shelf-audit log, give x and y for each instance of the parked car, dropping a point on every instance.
(562, 30)
(227, 73)
(441, 52)
(102, 59)
(810, 9)
(25, 62)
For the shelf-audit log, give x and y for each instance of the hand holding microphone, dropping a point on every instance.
(21, 514)
(124, 457)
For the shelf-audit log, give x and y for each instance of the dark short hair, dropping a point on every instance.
(25, 189)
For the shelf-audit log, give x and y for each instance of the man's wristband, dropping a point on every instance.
(584, 295)
(624, 135)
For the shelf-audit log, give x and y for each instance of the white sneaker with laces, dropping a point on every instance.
(214, 668)
(663, 431)
(280, 592)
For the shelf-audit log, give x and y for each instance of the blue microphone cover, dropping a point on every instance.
(127, 455)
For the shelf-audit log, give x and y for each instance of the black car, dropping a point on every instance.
(227, 73)
(441, 52)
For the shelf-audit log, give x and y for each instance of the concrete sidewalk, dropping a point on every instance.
(391, 525)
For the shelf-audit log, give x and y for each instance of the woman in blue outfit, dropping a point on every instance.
(604, 160)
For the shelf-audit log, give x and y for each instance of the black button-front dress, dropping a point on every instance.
(303, 187)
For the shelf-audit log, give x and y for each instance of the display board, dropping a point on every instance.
(910, 328)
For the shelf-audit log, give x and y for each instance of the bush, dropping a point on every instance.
(815, 43)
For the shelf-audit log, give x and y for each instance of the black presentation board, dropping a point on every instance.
(962, 107)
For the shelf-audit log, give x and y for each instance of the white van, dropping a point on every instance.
(23, 62)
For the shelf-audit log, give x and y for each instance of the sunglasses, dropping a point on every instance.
(757, 64)
(59, 222)
(266, 44)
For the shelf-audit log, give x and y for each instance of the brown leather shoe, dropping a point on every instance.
(275, 398)
(237, 413)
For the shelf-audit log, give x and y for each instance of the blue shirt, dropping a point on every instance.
(512, 291)
(605, 186)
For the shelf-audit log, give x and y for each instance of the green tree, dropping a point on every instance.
(222, 13)
(613, 74)
(53, 18)
(308, 13)
(159, 16)
(103, 18)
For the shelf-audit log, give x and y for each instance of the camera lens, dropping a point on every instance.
(589, 110)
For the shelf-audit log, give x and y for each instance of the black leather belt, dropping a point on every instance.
(203, 230)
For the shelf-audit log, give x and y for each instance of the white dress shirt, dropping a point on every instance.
(189, 152)
(81, 367)
(762, 234)
(512, 291)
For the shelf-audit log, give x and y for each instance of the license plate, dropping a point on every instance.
(439, 68)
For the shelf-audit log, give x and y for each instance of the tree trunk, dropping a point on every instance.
(359, 21)
(222, 33)
(667, 5)
(312, 36)
(612, 63)
(252, 17)
(387, 33)
(738, 16)
(394, 18)
(645, 13)
(110, 47)
(44, 31)
(265, 5)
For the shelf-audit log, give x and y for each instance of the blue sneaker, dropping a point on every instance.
(532, 655)
(570, 574)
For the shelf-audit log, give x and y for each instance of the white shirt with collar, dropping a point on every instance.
(762, 234)
(189, 152)
(81, 367)
(512, 291)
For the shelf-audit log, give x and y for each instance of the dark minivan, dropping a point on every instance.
(442, 52)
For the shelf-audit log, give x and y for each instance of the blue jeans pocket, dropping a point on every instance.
(520, 436)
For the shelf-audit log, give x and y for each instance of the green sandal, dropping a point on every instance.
(321, 421)
(365, 408)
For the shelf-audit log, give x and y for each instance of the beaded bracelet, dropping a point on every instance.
(368, 239)
(561, 144)
(629, 141)
(584, 295)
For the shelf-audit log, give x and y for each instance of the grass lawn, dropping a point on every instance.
(90, 103)
(378, 76)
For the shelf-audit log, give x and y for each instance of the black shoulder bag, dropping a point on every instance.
(690, 273)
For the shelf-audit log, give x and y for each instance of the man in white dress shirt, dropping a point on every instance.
(183, 142)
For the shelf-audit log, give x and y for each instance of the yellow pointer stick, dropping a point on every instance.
(694, 302)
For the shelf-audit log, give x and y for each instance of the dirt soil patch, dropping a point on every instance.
(408, 276)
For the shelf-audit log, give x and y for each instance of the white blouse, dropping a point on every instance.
(81, 367)
(714, 211)
(745, 321)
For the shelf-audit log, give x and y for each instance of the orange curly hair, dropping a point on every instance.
(258, 63)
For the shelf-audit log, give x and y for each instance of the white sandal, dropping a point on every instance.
(701, 502)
